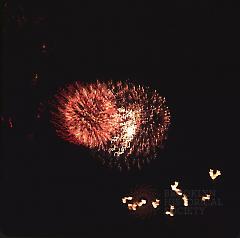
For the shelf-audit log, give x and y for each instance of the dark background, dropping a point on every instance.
(188, 52)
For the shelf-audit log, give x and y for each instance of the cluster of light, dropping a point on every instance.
(206, 197)
(175, 189)
(142, 202)
(185, 200)
(178, 191)
(171, 211)
(135, 205)
(132, 206)
(214, 175)
(124, 200)
(124, 123)
(156, 203)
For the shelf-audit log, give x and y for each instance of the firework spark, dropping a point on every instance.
(135, 205)
(141, 202)
(171, 212)
(145, 121)
(124, 200)
(175, 189)
(124, 123)
(156, 203)
(185, 200)
(206, 197)
(132, 207)
(214, 175)
(35, 79)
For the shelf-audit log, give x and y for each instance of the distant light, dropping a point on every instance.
(206, 197)
(185, 200)
(156, 203)
(175, 189)
(10, 122)
(214, 175)
(171, 212)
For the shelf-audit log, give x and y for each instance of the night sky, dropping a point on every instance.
(188, 53)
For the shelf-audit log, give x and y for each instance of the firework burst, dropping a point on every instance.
(122, 122)
(145, 119)
(85, 115)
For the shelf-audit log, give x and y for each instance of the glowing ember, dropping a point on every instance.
(171, 212)
(206, 197)
(35, 79)
(175, 189)
(86, 115)
(143, 202)
(140, 202)
(124, 200)
(156, 203)
(132, 207)
(185, 200)
(214, 175)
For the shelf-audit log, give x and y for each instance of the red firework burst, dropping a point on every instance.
(84, 114)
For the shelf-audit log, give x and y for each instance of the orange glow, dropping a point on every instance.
(142, 202)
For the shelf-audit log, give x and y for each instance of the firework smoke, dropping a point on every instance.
(121, 121)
